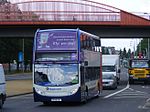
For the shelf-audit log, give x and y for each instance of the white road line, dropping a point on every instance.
(148, 100)
(131, 94)
(110, 95)
(130, 97)
(141, 92)
(131, 89)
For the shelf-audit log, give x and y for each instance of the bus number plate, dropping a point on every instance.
(56, 99)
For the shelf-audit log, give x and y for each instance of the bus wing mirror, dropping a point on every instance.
(86, 63)
(119, 71)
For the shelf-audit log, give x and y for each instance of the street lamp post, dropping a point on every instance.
(148, 49)
(23, 55)
(140, 51)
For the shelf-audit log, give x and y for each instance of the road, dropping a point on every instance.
(126, 98)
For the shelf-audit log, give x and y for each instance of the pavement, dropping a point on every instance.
(18, 84)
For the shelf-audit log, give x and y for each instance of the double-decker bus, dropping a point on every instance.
(139, 70)
(66, 66)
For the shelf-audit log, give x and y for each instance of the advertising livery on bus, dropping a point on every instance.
(66, 66)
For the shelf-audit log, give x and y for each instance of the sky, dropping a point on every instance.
(129, 43)
(129, 6)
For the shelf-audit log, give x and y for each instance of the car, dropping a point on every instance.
(2, 86)
(109, 81)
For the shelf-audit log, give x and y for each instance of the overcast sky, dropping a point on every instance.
(129, 6)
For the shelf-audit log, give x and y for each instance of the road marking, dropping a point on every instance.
(141, 92)
(142, 107)
(145, 87)
(110, 95)
(129, 97)
(131, 89)
(146, 105)
(148, 100)
(131, 94)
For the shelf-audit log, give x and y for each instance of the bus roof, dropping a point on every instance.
(57, 30)
(72, 30)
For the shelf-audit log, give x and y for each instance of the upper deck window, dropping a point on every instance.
(56, 56)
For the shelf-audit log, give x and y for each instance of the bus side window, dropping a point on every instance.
(82, 42)
(97, 72)
(82, 74)
(91, 44)
(91, 73)
(86, 74)
(97, 42)
(88, 44)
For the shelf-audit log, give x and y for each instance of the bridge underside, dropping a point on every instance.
(101, 31)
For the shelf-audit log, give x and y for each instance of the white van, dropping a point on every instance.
(111, 65)
(2, 86)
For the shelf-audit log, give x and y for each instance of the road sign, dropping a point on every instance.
(20, 56)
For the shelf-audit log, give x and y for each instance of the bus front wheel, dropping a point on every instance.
(85, 96)
(1, 102)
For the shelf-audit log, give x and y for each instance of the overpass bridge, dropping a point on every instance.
(21, 19)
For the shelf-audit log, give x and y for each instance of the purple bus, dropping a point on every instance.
(66, 66)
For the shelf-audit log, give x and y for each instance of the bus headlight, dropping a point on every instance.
(130, 75)
(40, 91)
(73, 91)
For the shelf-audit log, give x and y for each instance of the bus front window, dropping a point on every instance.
(140, 64)
(56, 74)
(58, 56)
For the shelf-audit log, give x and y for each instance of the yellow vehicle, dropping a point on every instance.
(139, 70)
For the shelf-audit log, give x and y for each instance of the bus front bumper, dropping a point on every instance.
(147, 78)
(72, 98)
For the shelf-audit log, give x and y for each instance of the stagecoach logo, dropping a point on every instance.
(53, 89)
(43, 41)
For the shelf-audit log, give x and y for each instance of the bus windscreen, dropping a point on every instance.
(140, 64)
(54, 40)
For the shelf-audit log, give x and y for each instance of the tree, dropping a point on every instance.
(124, 53)
(129, 53)
(144, 46)
(11, 47)
(121, 54)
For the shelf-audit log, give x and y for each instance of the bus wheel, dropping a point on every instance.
(1, 102)
(86, 96)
